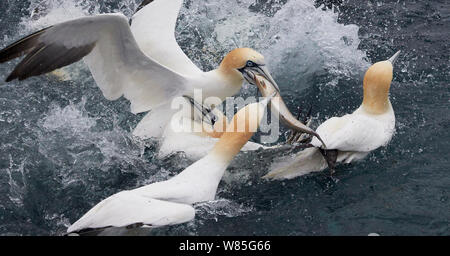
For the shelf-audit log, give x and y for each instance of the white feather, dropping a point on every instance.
(154, 29)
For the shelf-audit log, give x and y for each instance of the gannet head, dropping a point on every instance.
(240, 129)
(246, 63)
(377, 83)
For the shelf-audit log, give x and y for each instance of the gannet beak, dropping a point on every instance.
(264, 72)
(279, 106)
(250, 74)
(395, 57)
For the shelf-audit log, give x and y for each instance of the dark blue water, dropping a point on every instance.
(64, 148)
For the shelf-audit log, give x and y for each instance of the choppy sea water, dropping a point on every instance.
(64, 148)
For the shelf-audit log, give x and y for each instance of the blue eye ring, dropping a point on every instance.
(251, 64)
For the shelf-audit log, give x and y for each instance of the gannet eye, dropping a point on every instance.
(251, 64)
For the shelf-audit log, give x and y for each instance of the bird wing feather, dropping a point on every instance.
(154, 29)
(109, 48)
(354, 132)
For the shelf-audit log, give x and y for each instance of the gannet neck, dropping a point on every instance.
(230, 76)
(244, 124)
(377, 83)
(217, 83)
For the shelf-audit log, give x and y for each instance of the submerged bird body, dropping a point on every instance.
(350, 137)
(170, 202)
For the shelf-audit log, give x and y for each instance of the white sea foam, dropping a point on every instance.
(299, 40)
(86, 146)
(44, 13)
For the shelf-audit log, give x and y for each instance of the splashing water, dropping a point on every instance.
(64, 148)
(220, 207)
(86, 148)
(299, 39)
(80, 138)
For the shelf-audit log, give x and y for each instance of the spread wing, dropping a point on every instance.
(352, 133)
(153, 27)
(128, 208)
(109, 48)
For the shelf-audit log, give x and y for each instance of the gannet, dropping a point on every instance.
(351, 137)
(170, 202)
(143, 63)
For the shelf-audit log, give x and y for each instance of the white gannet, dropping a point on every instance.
(143, 63)
(170, 202)
(350, 137)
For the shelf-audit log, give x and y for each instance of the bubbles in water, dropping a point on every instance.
(70, 119)
(220, 207)
(85, 147)
(16, 182)
(298, 41)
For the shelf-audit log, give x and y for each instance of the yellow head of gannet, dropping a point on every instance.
(240, 129)
(245, 63)
(377, 83)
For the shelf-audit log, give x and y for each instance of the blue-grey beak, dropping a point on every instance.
(394, 58)
(250, 74)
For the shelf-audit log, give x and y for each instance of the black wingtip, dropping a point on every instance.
(21, 47)
(143, 4)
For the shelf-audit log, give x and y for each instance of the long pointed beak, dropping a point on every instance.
(264, 72)
(279, 106)
(395, 57)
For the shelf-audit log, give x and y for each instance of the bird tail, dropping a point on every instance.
(305, 162)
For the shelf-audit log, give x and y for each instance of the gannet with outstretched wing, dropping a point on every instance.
(350, 137)
(143, 63)
(170, 202)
